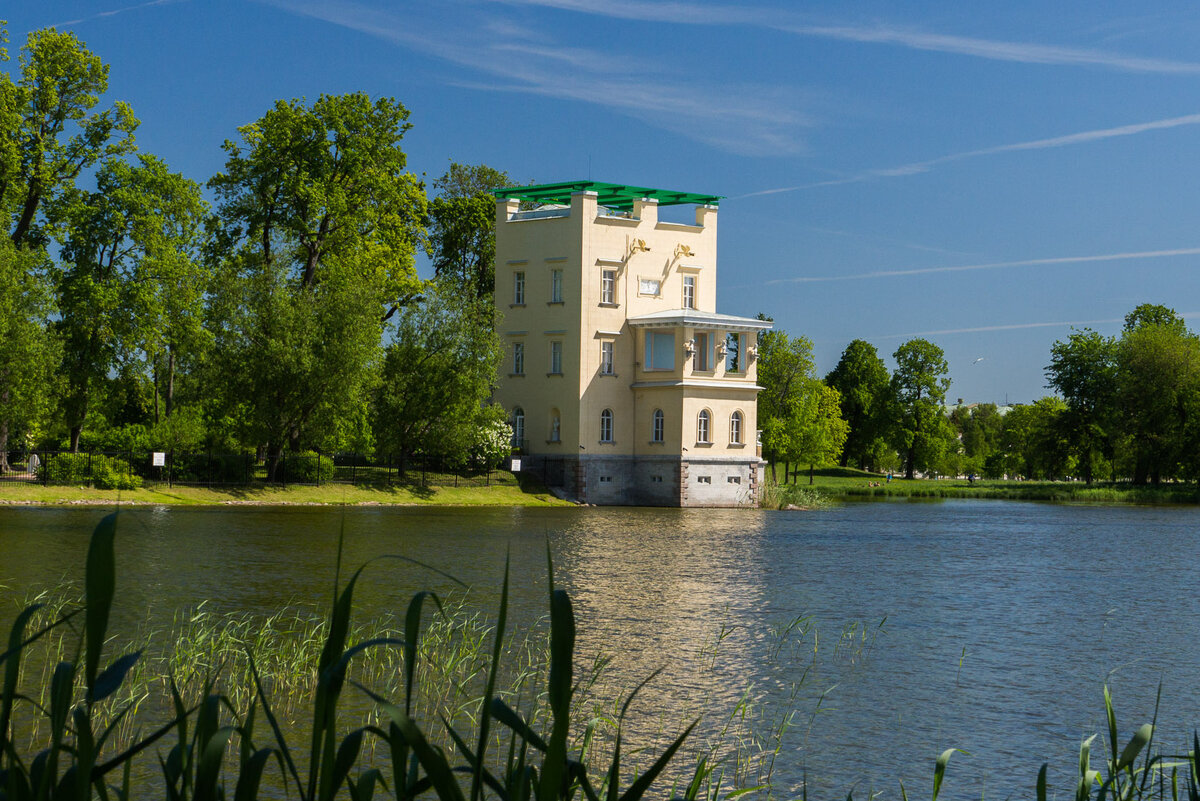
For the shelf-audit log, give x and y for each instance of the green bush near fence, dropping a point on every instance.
(306, 468)
(103, 472)
(113, 473)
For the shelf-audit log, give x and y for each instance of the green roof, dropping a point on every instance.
(614, 196)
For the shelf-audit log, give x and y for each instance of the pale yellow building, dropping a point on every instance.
(623, 383)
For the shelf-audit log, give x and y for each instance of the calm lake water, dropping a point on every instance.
(989, 626)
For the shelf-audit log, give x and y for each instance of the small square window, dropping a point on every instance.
(655, 479)
(703, 479)
(735, 480)
(605, 479)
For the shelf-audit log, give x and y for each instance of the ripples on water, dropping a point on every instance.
(1003, 620)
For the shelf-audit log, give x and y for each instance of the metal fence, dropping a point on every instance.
(130, 469)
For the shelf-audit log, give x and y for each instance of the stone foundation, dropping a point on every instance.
(651, 481)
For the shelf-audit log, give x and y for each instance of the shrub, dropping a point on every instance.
(305, 468)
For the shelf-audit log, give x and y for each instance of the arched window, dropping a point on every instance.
(702, 426)
(735, 428)
(518, 424)
(555, 426)
(659, 427)
(606, 425)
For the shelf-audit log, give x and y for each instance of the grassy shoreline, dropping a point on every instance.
(510, 492)
(846, 484)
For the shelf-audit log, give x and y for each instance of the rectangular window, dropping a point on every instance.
(689, 292)
(608, 286)
(519, 358)
(734, 480)
(605, 479)
(655, 479)
(733, 353)
(660, 351)
(703, 359)
(606, 358)
(519, 288)
(703, 479)
(556, 358)
(556, 295)
(649, 286)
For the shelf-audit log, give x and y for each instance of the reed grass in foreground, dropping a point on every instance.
(467, 711)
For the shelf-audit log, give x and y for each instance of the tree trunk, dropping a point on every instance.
(910, 459)
(787, 472)
(810, 474)
(274, 457)
(4, 468)
(170, 401)
(75, 432)
(156, 392)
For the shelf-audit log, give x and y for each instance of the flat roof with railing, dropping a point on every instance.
(613, 196)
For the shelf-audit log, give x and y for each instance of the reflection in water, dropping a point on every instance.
(1003, 620)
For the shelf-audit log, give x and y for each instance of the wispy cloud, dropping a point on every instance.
(880, 33)
(996, 265)
(749, 119)
(918, 167)
(112, 13)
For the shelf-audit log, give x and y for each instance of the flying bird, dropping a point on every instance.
(977, 361)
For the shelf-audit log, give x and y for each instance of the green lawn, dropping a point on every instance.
(507, 491)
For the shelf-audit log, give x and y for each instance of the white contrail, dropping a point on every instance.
(1145, 254)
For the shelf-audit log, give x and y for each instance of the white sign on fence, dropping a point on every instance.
(159, 459)
(516, 465)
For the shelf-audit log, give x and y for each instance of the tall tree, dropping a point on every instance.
(49, 134)
(129, 285)
(1158, 368)
(862, 379)
(1084, 371)
(462, 227)
(799, 415)
(319, 224)
(919, 385)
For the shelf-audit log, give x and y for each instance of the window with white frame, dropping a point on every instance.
(689, 292)
(556, 286)
(608, 286)
(519, 288)
(606, 425)
(703, 427)
(735, 428)
(606, 358)
(733, 353)
(703, 358)
(556, 357)
(518, 427)
(658, 428)
(518, 358)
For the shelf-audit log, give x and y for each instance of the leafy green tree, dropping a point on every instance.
(438, 372)
(862, 379)
(1084, 371)
(129, 286)
(921, 432)
(979, 431)
(319, 223)
(1033, 443)
(1157, 315)
(49, 134)
(799, 416)
(49, 113)
(1158, 369)
(462, 227)
(28, 353)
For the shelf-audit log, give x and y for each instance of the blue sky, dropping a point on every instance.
(982, 176)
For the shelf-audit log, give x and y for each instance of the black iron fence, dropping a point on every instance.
(132, 469)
